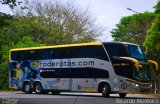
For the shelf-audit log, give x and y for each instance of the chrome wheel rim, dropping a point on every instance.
(104, 90)
(27, 88)
(38, 88)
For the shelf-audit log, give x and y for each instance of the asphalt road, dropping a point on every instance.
(74, 98)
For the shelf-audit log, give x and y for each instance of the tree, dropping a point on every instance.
(152, 42)
(59, 22)
(3, 19)
(12, 3)
(133, 28)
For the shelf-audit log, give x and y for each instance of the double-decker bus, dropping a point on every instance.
(102, 67)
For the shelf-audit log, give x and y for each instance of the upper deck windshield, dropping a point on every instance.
(136, 52)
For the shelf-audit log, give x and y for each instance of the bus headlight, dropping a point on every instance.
(137, 85)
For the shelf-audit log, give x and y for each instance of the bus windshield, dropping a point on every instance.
(142, 75)
(136, 52)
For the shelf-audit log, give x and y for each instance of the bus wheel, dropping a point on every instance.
(27, 88)
(38, 88)
(106, 90)
(122, 95)
(56, 92)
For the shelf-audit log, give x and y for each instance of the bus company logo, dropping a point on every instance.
(124, 86)
(46, 70)
(35, 64)
(65, 64)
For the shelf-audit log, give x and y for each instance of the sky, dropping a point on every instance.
(108, 12)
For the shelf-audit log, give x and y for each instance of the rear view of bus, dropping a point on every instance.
(131, 66)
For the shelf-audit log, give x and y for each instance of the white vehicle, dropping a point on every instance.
(102, 67)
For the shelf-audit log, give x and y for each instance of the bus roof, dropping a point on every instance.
(72, 45)
(125, 43)
(58, 46)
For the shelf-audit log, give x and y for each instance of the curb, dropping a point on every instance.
(156, 95)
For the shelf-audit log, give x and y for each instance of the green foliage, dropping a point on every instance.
(157, 7)
(27, 41)
(4, 76)
(44, 31)
(58, 23)
(152, 42)
(133, 28)
(3, 19)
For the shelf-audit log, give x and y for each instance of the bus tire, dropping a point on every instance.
(38, 88)
(106, 90)
(122, 95)
(27, 88)
(55, 92)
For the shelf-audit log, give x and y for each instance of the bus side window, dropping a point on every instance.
(14, 55)
(75, 52)
(99, 53)
(22, 55)
(18, 55)
(64, 52)
(79, 52)
(67, 53)
(45, 54)
(71, 52)
(32, 55)
(91, 52)
(56, 53)
(116, 50)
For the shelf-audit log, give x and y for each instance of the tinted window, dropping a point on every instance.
(125, 71)
(61, 53)
(89, 52)
(75, 52)
(17, 55)
(116, 50)
(45, 54)
(74, 73)
(136, 52)
(33, 55)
